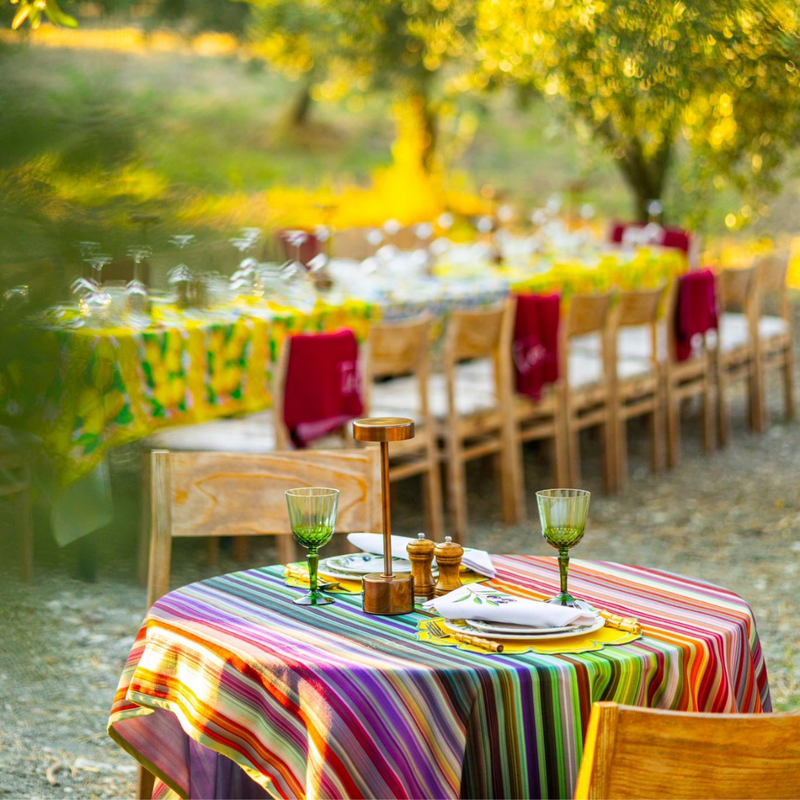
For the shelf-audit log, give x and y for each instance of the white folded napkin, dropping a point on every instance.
(476, 601)
(477, 560)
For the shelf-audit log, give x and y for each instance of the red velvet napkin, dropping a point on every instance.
(535, 346)
(323, 390)
(696, 309)
(676, 238)
(310, 248)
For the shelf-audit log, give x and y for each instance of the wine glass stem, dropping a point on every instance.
(563, 568)
(313, 562)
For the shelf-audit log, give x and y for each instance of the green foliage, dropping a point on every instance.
(720, 73)
(710, 87)
(34, 12)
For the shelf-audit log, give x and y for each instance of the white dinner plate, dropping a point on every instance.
(461, 626)
(361, 564)
(507, 627)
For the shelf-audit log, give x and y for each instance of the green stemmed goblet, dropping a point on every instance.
(312, 515)
(563, 515)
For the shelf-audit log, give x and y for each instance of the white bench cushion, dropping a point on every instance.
(474, 392)
(252, 434)
(633, 341)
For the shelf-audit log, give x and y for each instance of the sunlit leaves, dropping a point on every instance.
(33, 13)
(642, 72)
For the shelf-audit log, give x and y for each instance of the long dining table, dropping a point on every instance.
(231, 690)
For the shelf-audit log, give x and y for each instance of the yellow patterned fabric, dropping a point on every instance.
(89, 391)
(616, 269)
(574, 644)
(646, 269)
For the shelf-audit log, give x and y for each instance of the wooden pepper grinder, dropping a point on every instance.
(448, 558)
(420, 553)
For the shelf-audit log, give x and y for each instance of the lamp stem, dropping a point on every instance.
(387, 521)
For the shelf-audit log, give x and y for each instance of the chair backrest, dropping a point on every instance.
(352, 243)
(646, 753)
(405, 239)
(698, 310)
(478, 333)
(398, 348)
(642, 308)
(200, 494)
(772, 270)
(588, 313)
(639, 308)
(311, 343)
(737, 287)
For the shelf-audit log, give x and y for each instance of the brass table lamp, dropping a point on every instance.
(386, 594)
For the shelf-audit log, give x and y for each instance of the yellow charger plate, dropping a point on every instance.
(578, 644)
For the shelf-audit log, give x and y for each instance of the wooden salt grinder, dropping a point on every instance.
(448, 558)
(386, 594)
(420, 553)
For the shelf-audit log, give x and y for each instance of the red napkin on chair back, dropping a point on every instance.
(535, 347)
(696, 309)
(310, 248)
(323, 390)
(676, 238)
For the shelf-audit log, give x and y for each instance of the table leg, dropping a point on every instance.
(144, 789)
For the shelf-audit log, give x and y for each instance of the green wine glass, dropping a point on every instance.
(312, 515)
(563, 513)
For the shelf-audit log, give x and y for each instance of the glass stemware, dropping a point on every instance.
(312, 515)
(136, 290)
(563, 514)
(182, 239)
(97, 262)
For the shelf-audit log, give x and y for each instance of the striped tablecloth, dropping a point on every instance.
(328, 703)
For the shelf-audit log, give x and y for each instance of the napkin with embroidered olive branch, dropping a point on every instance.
(477, 601)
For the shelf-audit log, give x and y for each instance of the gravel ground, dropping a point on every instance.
(732, 518)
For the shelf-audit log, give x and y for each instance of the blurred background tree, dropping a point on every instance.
(719, 75)
(369, 45)
(690, 102)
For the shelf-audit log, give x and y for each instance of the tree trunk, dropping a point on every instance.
(300, 108)
(417, 133)
(645, 176)
(430, 126)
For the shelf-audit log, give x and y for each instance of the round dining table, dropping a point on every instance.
(231, 690)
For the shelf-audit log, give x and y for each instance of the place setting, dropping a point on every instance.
(482, 618)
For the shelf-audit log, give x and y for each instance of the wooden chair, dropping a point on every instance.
(215, 494)
(775, 340)
(589, 381)
(352, 243)
(399, 352)
(474, 407)
(643, 753)
(685, 379)
(231, 494)
(638, 378)
(405, 239)
(736, 351)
